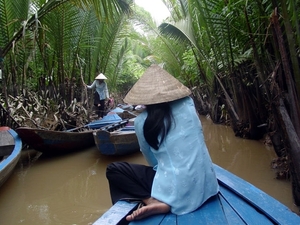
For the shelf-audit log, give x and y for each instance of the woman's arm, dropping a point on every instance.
(106, 91)
(144, 146)
(92, 85)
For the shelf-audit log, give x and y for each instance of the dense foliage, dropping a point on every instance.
(240, 58)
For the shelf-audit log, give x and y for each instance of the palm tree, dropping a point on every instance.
(50, 32)
(246, 64)
(54, 46)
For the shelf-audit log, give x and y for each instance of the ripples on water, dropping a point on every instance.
(72, 189)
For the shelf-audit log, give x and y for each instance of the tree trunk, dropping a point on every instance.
(291, 89)
(4, 91)
(294, 151)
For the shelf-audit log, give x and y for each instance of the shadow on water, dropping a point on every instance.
(72, 188)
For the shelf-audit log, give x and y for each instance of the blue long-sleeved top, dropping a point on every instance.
(101, 88)
(184, 177)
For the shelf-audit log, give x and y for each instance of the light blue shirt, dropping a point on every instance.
(184, 177)
(101, 88)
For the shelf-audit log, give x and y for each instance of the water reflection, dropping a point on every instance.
(72, 189)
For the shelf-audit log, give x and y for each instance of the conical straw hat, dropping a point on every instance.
(100, 77)
(156, 86)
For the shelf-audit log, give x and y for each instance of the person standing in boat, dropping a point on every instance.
(180, 176)
(100, 94)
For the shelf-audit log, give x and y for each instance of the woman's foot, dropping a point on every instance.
(153, 206)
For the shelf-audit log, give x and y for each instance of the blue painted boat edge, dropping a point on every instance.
(16, 151)
(275, 211)
(106, 120)
(117, 213)
(268, 205)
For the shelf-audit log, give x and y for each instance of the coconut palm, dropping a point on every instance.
(44, 37)
(247, 58)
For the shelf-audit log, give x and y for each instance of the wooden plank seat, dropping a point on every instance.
(117, 213)
(115, 126)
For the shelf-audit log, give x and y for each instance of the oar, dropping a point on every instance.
(85, 89)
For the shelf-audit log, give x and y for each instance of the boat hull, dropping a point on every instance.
(50, 142)
(120, 142)
(238, 202)
(10, 152)
(60, 142)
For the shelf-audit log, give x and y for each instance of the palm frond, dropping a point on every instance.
(181, 30)
(13, 17)
(104, 9)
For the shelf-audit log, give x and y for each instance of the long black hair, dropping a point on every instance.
(157, 122)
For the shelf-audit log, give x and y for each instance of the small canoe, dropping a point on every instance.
(60, 142)
(122, 141)
(10, 152)
(56, 142)
(238, 202)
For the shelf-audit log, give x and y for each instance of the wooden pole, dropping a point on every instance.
(85, 89)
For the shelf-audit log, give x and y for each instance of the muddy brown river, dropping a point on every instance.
(73, 190)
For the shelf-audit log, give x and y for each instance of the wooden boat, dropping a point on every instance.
(56, 142)
(60, 142)
(122, 141)
(10, 152)
(238, 202)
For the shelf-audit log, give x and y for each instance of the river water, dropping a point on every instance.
(73, 190)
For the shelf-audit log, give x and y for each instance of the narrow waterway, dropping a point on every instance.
(72, 189)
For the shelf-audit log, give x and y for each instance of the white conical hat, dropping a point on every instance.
(100, 77)
(156, 86)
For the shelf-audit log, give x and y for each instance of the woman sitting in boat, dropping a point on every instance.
(180, 177)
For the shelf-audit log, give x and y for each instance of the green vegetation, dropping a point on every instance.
(240, 58)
